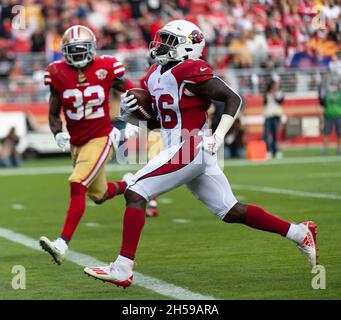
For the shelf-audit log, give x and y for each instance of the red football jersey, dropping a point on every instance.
(181, 113)
(85, 96)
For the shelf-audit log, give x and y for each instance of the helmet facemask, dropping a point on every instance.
(165, 46)
(79, 54)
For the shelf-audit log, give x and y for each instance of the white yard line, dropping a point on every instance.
(179, 220)
(133, 167)
(295, 193)
(153, 284)
(61, 170)
(298, 160)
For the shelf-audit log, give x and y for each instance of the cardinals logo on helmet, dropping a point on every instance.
(196, 36)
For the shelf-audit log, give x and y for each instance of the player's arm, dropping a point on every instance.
(216, 89)
(55, 122)
(123, 84)
(55, 105)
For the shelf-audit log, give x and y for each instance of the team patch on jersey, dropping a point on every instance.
(101, 74)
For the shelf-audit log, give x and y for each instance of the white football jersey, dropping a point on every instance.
(181, 113)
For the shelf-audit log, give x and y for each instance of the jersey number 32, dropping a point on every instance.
(82, 109)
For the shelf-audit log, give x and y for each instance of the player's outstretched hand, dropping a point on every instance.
(128, 103)
(210, 144)
(62, 139)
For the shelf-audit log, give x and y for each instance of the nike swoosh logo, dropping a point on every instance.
(203, 69)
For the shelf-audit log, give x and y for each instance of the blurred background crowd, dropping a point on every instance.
(246, 33)
(250, 43)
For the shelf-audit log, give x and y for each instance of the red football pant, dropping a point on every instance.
(133, 223)
(258, 218)
(75, 211)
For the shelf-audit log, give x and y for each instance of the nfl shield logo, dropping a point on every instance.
(101, 74)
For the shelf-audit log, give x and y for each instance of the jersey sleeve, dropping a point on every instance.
(193, 71)
(115, 67)
(51, 76)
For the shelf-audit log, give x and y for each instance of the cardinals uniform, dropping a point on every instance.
(183, 119)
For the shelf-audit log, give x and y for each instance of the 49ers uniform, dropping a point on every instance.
(183, 119)
(85, 103)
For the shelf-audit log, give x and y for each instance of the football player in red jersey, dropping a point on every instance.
(182, 87)
(79, 86)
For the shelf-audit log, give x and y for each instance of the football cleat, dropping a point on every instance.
(57, 249)
(152, 210)
(118, 273)
(309, 244)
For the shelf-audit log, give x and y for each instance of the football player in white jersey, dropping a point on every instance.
(182, 87)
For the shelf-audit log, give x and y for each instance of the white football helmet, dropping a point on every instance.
(178, 40)
(78, 46)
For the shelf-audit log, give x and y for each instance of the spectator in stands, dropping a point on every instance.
(239, 49)
(330, 99)
(9, 157)
(273, 99)
(325, 42)
(6, 63)
(234, 146)
(307, 57)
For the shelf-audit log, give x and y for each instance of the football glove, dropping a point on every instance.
(210, 144)
(62, 139)
(128, 103)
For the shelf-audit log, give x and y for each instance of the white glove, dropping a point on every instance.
(210, 144)
(128, 103)
(62, 139)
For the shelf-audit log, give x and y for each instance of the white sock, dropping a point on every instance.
(125, 260)
(296, 233)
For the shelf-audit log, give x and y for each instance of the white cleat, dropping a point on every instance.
(119, 273)
(127, 178)
(309, 244)
(57, 248)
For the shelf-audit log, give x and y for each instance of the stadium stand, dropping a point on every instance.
(248, 42)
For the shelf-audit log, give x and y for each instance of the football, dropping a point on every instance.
(145, 111)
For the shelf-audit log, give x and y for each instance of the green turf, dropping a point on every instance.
(204, 255)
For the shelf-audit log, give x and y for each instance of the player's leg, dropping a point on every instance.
(338, 136)
(276, 122)
(266, 136)
(154, 148)
(327, 130)
(221, 201)
(160, 175)
(88, 161)
(100, 190)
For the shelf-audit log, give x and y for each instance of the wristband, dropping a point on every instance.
(224, 126)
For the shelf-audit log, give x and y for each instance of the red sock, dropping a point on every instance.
(75, 211)
(258, 218)
(133, 223)
(115, 188)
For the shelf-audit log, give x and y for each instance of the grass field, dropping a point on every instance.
(185, 246)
